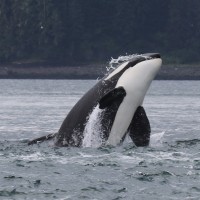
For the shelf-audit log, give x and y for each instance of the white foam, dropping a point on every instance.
(157, 139)
(92, 132)
(121, 67)
(113, 64)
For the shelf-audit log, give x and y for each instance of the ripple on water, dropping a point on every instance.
(42, 171)
(168, 169)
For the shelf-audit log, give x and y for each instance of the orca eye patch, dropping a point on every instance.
(134, 62)
(149, 56)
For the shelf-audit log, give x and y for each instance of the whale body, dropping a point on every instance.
(119, 96)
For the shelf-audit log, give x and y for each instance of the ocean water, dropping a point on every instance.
(168, 169)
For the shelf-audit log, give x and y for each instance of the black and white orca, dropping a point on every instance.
(120, 96)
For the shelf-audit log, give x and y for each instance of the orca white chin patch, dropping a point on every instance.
(139, 77)
(135, 81)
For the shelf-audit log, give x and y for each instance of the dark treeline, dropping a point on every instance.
(85, 31)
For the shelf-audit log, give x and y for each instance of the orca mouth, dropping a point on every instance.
(151, 55)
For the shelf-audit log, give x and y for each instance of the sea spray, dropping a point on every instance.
(93, 131)
(116, 61)
(157, 139)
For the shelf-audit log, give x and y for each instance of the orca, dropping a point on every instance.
(120, 96)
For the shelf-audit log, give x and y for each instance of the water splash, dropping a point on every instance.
(93, 132)
(157, 139)
(116, 61)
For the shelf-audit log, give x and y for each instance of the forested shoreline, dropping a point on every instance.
(90, 71)
(76, 32)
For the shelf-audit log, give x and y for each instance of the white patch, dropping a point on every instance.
(121, 67)
(136, 81)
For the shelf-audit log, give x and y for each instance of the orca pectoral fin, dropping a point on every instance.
(115, 95)
(139, 129)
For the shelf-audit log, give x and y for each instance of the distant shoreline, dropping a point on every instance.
(92, 71)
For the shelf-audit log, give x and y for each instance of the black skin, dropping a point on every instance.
(139, 129)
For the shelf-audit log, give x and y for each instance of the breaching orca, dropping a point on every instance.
(120, 94)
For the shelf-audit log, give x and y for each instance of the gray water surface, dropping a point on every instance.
(168, 169)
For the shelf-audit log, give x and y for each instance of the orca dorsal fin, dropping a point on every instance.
(117, 94)
(139, 129)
